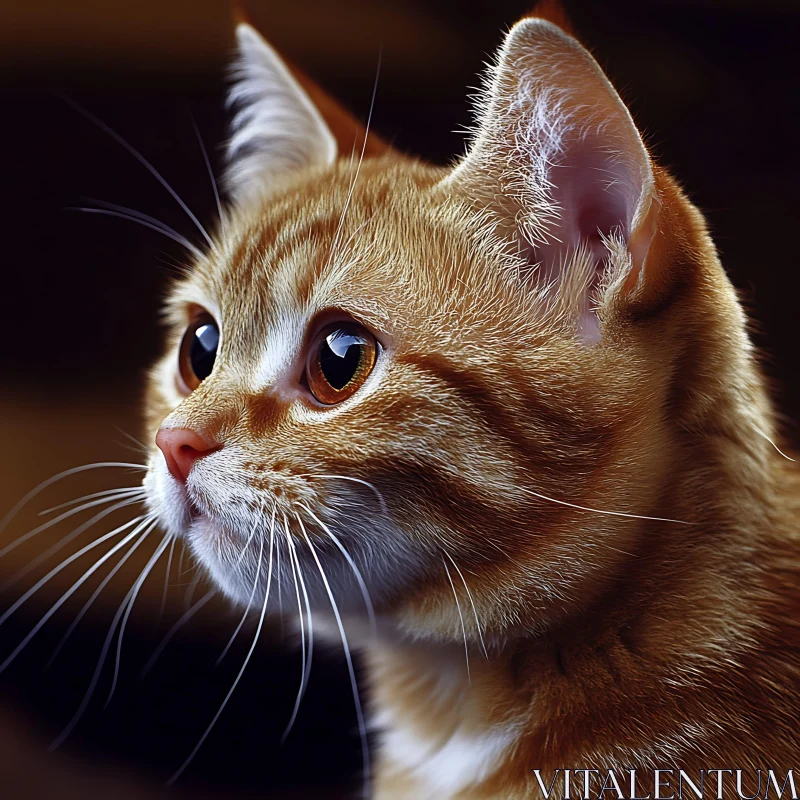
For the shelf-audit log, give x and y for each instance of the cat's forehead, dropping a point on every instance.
(379, 248)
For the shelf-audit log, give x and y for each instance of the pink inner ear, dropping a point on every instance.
(596, 194)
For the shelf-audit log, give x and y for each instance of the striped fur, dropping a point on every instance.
(602, 522)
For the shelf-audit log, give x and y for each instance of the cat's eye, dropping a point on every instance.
(198, 351)
(340, 360)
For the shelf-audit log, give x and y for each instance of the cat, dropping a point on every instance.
(499, 425)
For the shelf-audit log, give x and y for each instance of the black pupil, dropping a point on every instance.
(340, 357)
(204, 350)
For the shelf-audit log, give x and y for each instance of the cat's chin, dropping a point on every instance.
(240, 567)
(228, 562)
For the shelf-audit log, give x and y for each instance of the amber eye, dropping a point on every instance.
(198, 351)
(340, 360)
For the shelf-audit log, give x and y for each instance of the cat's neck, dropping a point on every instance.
(686, 595)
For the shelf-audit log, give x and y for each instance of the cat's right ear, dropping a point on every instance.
(559, 165)
(276, 128)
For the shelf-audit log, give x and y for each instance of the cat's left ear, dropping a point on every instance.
(560, 165)
(276, 129)
(283, 122)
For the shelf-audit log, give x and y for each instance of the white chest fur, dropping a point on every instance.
(446, 769)
(438, 768)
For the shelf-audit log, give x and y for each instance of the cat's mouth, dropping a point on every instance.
(194, 511)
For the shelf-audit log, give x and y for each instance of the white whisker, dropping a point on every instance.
(63, 565)
(167, 572)
(75, 586)
(601, 511)
(249, 602)
(65, 540)
(472, 603)
(359, 578)
(180, 561)
(244, 665)
(461, 617)
(189, 595)
(362, 728)
(182, 620)
(134, 593)
(335, 242)
(214, 187)
(87, 605)
(141, 447)
(245, 548)
(353, 480)
(306, 657)
(278, 584)
(353, 235)
(777, 449)
(144, 162)
(146, 221)
(59, 476)
(50, 523)
(111, 493)
(59, 740)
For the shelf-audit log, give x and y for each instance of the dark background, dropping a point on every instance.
(712, 84)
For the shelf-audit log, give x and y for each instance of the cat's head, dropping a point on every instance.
(413, 380)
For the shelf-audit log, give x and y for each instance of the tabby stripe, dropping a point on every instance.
(587, 445)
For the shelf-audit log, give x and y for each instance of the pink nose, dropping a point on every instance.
(181, 448)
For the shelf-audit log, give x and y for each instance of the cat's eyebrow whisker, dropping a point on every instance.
(147, 569)
(472, 603)
(249, 603)
(369, 486)
(601, 511)
(145, 220)
(144, 162)
(359, 578)
(197, 747)
(139, 522)
(65, 540)
(57, 477)
(306, 655)
(214, 186)
(87, 605)
(335, 242)
(343, 248)
(362, 728)
(182, 620)
(461, 617)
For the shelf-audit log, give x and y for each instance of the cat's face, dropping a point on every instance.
(368, 389)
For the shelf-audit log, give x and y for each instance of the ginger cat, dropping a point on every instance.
(499, 425)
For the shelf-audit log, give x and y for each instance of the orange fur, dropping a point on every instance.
(554, 11)
(499, 440)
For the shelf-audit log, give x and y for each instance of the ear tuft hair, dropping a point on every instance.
(276, 129)
(553, 11)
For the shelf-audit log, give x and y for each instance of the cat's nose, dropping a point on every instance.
(181, 448)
